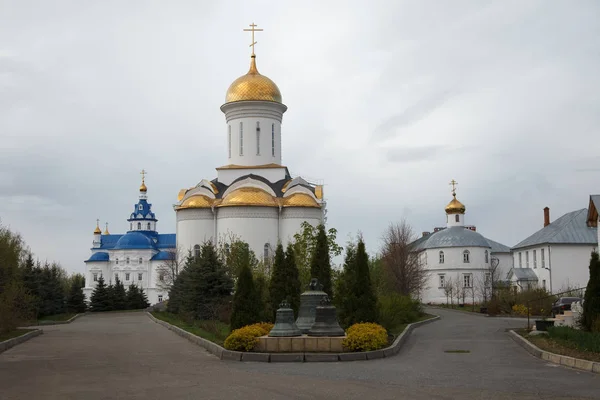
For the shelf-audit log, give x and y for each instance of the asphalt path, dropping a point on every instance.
(127, 356)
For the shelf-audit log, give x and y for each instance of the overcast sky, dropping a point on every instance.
(388, 101)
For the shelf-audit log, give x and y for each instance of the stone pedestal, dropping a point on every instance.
(300, 344)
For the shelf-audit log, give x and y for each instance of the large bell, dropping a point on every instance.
(284, 322)
(309, 301)
(326, 323)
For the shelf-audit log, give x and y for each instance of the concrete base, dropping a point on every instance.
(300, 344)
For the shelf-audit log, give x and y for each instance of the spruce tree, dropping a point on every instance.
(277, 287)
(142, 300)
(176, 292)
(110, 290)
(262, 288)
(99, 300)
(591, 304)
(345, 298)
(293, 287)
(132, 297)
(320, 266)
(119, 299)
(247, 306)
(76, 298)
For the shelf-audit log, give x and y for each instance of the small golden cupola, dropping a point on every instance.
(106, 229)
(455, 206)
(97, 231)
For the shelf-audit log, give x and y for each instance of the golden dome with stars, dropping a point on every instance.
(253, 87)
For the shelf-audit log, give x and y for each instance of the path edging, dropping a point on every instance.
(225, 354)
(566, 361)
(7, 344)
(73, 318)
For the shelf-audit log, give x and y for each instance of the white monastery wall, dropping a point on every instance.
(570, 266)
(292, 219)
(194, 226)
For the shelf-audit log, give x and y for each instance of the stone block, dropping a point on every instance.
(336, 344)
(567, 361)
(372, 355)
(287, 357)
(272, 345)
(584, 364)
(546, 356)
(352, 356)
(284, 345)
(555, 358)
(262, 344)
(215, 349)
(318, 357)
(323, 345)
(390, 351)
(298, 344)
(310, 344)
(258, 357)
(596, 368)
(231, 355)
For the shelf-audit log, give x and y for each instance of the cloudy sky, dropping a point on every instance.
(388, 101)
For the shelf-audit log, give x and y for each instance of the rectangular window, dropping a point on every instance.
(116, 276)
(127, 276)
(229, 141)
(95, 277)
(534, 259)
(258, 138)
(117, 261)
(140, 260)
(467, 280)
(241, 138)
(457, 218)
(442, 281)
(273, 140)
(527, 259)
(543, 258)
(160, 298)
(520, 260)
(139, 277)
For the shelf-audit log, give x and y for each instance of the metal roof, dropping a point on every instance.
(456, 236)
(571, 228)
(498, 247)
(524, 274)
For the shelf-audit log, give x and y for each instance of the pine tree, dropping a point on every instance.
(119, 296)
(99, 300)
(293, 287)
(247, 306)
(277, 286)
(591, 304)
(320, 266)
(76, 298)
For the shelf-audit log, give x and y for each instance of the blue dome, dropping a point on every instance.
(134, 240)
(99, 256)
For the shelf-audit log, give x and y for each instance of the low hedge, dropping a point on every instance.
(365, 337)
(246, 338)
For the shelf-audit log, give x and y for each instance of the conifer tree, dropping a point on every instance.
(176, 292)
(293, 287)
(320, 266)
(119, 296)
(591, 304)
(142, 300)
(277, 287)
(76, 298)
(247, 307)
(132, 297)
(99, 300)
(262, 288)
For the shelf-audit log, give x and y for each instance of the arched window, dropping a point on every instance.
(257, 138)
(229, 141)
(127, 260)
(131, 226)
(466, 258)
(241, 138)
(273, 140)
(139, 225)
(197, 250)
(141, 207)
(441, 257)
(487, 258)
(117, 261)
(266, 250)
(457, 217)
(140, 260)
(149, 225)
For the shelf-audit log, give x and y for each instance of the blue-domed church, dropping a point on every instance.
(141, 256)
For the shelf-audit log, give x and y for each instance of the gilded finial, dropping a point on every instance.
(106, 228)
(97, 230)
(453, 183)
(143, 187)
(253, 29)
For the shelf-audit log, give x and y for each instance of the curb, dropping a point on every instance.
(224, 354)
(566, 361)
(73, 318)
(7, 344)
(483, 315)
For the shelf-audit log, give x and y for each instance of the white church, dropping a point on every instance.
(253, 198)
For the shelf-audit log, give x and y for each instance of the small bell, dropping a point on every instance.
(326, 323)
(284, 322)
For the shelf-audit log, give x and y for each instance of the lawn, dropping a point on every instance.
(567, 342)
(57, 317)
(14, 334)
(215, 331)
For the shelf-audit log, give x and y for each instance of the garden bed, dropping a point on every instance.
(215, 331)
(559, 341)
(14, 334)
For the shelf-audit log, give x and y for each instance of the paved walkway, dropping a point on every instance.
(127, 356)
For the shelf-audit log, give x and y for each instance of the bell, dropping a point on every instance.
(284, 322)
(326, 323)
(309, 301)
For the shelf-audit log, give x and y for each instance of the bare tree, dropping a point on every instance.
(404, 271)
(169, 269)
(488, 281)
(448, 287)
(459, 291)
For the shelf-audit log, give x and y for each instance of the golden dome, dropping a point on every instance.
(97, 231)
(196, 201)
(300, 200)
(455, 206)
(106, 230)
(143, 187)
(249, 196)
(253, 86)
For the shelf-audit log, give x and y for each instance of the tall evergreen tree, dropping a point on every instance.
(261, 283)
(76, 298)
(119, 296)
(142, 300)
(277, 287)
(247, 307)
(176, 293)
(293, 287)
(591, 304)
(99, 300)
(320, 266)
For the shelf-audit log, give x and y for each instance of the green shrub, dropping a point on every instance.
(582, 340)
(365, 337)
(246, 338)
(396, 310)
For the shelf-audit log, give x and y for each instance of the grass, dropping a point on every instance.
(397, 330)
(58, 317)
(215, 331)
(567, 342)
(14, 334)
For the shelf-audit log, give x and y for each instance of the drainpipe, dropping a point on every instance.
(550, 266)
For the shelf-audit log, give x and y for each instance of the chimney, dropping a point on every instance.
(425, 233)
(546, 216)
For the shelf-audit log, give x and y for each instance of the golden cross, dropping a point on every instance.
(253, 29)
(453, 183)
(143, 173)
(98, 223)
(106, 224)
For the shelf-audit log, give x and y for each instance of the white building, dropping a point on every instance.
(132, 257)
(557, 257)
(253, 197)
(458, 256)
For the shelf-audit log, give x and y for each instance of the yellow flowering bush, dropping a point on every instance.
(365, 337)
(519, 309)
(245, 338)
